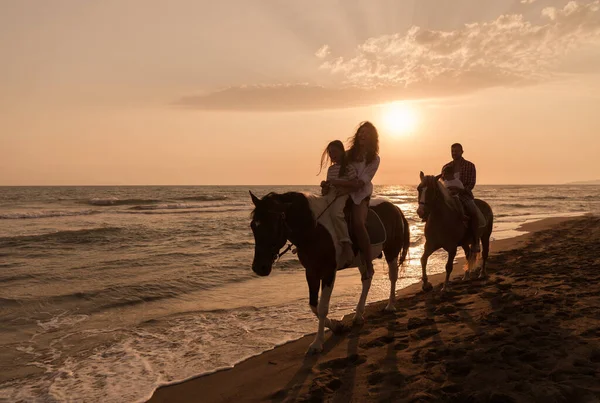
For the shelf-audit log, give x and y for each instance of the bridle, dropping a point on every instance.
(425, 203)
(284, 230)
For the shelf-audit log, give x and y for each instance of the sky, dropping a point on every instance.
(193, 92)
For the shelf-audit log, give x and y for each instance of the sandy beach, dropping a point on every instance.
(530, 333)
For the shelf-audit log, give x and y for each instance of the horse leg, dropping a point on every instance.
(467, 248)
(485, 246)
(313, 294)
(393, 274)
(427, 251)
(449, 267)
(322, 311)
(366, 285)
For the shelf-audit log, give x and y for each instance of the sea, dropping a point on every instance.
(106, 293)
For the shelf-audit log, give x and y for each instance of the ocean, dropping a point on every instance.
(108, 292)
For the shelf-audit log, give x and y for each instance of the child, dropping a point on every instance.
(451, 183)
(340, 179)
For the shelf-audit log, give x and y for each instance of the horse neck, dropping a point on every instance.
(440, 208)
(299, 218)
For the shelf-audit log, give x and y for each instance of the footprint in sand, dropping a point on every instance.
(414, 323)
(343, 363)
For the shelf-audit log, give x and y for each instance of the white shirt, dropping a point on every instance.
(365, 173)
(454, 183)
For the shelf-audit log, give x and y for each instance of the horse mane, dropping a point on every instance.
(449, 200)
(298, 213)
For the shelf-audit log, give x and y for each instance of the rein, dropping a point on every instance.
(329, 205)
(436, 194)
(290, 245)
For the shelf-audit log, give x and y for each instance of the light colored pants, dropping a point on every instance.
(336, 211)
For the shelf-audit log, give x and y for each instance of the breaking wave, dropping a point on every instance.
(45, 214)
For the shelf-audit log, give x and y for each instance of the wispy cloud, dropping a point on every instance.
(527, 1)
(508, 51)
(323, 52)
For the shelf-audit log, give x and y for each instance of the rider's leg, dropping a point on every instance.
(344, 247)
(472, 208)
(359, 215)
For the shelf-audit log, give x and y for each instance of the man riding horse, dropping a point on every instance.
(465, 172)
(444, 219)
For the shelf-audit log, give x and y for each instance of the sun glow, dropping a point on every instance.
(399, 118)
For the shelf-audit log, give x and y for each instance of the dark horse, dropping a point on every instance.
(278, 218)
(445, 227)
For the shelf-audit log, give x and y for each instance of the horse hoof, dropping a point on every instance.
(315, 348)
(336, 326)
(483, 275)
(390, 307)
(358, 321)
(427, 287)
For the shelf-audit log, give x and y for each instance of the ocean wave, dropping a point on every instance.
(504, 215)
(45, 214)
(549, 198)
(237, 245)
(524, 206)
(204, 198)
(165, 206)
(82, 236)
(114, 201)
(8, 302)
(16, 277)
(62, 320)
(183, 210)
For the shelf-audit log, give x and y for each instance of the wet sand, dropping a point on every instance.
(530, 333)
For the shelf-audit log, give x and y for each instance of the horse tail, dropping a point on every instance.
(405, 239)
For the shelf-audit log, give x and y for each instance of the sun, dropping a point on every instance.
(399, 118)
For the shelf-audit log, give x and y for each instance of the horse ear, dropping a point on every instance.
(437, 177)
(255, 199)
(422, 175)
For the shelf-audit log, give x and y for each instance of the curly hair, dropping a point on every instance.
(372, 146)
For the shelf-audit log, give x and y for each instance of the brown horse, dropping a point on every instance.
(445, 227)
(278, 218)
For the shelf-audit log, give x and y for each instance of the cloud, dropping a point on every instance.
(323, 52)
(504, 51)
(299, 97)
(419, 63)
(527, 1)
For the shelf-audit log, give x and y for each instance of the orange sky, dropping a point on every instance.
(251, 91)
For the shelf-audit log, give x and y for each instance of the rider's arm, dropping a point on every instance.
(349, 181)
(345, 183)
(468, 176)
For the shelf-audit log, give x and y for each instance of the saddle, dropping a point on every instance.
(375, 228)
(460, 207)
(467, 217)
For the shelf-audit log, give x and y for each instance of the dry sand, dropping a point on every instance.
(530, 333)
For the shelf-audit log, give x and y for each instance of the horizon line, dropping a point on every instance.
(294, 185)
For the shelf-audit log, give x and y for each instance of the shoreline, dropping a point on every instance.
(187, 389)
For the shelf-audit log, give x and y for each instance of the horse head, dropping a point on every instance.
(270, 231)
(429, 192)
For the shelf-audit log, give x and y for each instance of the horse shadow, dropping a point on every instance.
(291, 391)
